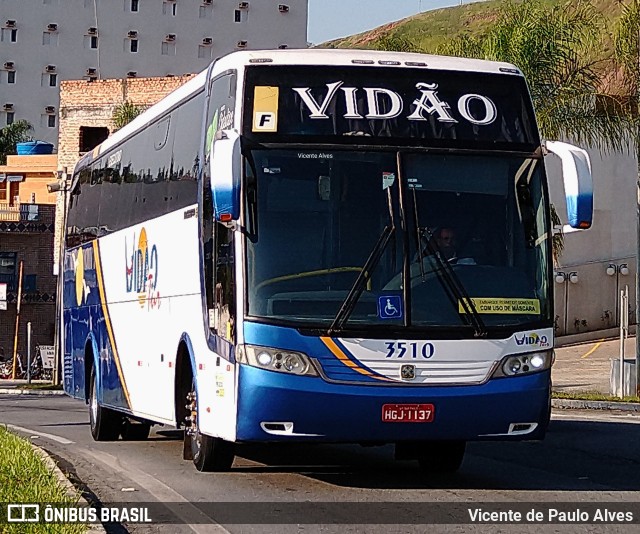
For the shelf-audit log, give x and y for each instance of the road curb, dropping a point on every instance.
(21, 391)
(69, 488)
(574, 404)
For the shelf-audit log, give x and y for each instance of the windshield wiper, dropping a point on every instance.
(452, 282)
(349, 303)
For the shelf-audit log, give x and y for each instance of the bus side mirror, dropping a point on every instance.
(225, 175)
(578, 183)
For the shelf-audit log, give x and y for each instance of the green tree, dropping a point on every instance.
(11, 135)
(555, 47)
(124, 113)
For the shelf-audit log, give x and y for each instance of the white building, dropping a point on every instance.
(45, 41)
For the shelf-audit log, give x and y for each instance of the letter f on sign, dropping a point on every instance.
(265, 121)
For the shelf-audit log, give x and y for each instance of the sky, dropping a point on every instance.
(330, 19)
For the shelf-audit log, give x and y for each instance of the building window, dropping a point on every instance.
(50, 39)
(53, 80)
(93, 41)
(8, 269)
(204, 52)
(238, 16)
(134, 5)
(168, 49)
(169, 8)
(133, 45)
(51, 121)
(11, 76)
(11, 116)
(8, 35)
(91, 137)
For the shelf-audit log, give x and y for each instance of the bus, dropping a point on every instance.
(257, 258)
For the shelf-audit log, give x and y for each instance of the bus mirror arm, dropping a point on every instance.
(578, 182)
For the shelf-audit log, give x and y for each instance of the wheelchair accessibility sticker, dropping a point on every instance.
(390, 307)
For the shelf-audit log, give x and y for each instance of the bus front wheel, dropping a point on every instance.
(441, 456)
(208, 453)
(105, 423)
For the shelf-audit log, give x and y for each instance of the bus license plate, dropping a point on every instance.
(408, 413)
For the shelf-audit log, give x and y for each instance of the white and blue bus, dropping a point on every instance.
(257, 258)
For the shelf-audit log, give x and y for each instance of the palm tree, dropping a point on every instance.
(124, 113)
(555, 47)
(11, 135)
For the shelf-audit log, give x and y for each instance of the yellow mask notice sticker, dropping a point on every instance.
(265, 109)
(495, 305)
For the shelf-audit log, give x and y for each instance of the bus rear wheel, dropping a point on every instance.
(208, 453)
(105, 423)
(441, 456)
(134, 431)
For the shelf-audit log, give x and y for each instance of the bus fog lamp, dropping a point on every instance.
(264, 359)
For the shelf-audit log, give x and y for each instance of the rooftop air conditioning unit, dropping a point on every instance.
(10, 23)
(283, 8)
(8, 65)
(50, 68)
(207, 2)
(132, 74)
(91, 71)
(52, 27)
(170, 37)
(132, 34)
(243, 5)
(8, 107)
(49, 109)
(92, 30)
(242, 44)
(207, 40)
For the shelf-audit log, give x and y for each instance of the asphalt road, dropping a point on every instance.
(586, 457)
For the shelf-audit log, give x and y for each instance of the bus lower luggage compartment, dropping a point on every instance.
(310, 409)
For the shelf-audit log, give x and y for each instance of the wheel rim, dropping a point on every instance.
(196, 438)
(94, 402)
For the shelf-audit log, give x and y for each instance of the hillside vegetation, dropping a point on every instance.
(431, 30)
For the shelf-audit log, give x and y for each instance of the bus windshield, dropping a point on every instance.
(316, 219)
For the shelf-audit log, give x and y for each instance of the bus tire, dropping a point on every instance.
(134, 431)
(439, 457)
(105, 423)
(211, 454)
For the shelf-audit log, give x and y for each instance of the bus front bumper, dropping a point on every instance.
(278, 407)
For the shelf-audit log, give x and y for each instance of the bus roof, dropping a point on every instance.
(346, 57)
(310, 56)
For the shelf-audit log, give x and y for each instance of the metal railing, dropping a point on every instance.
(27, 213)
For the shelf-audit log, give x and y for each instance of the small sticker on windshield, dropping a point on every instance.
(387, 180)
(390, 307)
(495, 305)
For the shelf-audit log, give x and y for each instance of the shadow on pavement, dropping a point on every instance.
(575, 456)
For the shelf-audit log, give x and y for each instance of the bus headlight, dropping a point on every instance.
(271, 359)
(523, 364)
